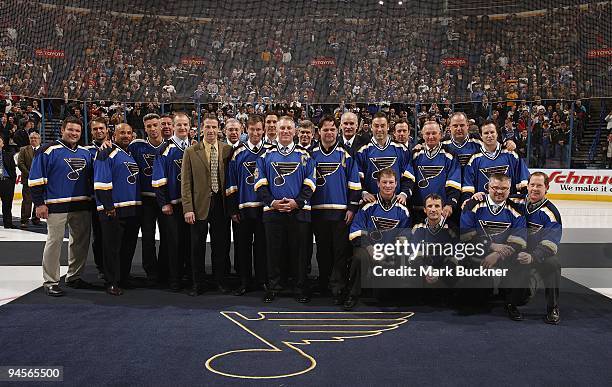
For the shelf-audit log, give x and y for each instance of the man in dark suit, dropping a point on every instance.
(8, 176)
(202, 192)
(24, 163)
(348, 139)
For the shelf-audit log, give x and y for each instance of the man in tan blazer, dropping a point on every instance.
(24, 163)
(202, 187)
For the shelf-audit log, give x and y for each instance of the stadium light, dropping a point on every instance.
(400, 2)
(381, 2)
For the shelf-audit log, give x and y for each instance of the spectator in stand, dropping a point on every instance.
(609, 152)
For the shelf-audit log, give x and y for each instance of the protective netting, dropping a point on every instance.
(311, 51)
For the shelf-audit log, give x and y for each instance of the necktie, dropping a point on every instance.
(284, 149)
(255, 150)
(214, 169)
(347, 144)
(1, 166)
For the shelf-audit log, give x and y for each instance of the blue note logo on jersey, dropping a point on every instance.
(533, 227)
(492, 228)
(325, 169)
(251, 168)
(149, 160)
(76, 165)
(487, 172)
(381, 163)
(464, 159)
(133, 170)
(428, 172)
(283, 168)
(179, 164)
(382, 224)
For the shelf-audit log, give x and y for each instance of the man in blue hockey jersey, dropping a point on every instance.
(498, 224)
(99, 136)
(61, 185)
(144, 152)
(245, 207)
(381, 153)
(117, 189)
(459, 143)
(166, 183)
(334, 204)
(385, 220)
(436, 171)
(545, 231)
(285, 182)
(491, 159)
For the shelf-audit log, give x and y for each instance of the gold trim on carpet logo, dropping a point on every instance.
(291, 331)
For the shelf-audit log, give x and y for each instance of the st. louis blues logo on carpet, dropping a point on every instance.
(179, 164)
(76, 166)
(283, 168)
(382, 224)
(149, 159)
(285, 336)
(492, 228)
(133, 170)
(250, 166)
(487, 172)
(325, 169)
(428, 172)
(381, 163)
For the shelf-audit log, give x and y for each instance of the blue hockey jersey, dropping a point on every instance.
(338, 183)
(93, 148)
(464, 151)
(544, 227)
(379, 223)
(441, 234)
(481, 166)
(144, 153)
(166, 179)
(61, 177)
(116, 182)
(436, 171)
(506, 225)
(240, 182)
(290, 175)
(371, 158)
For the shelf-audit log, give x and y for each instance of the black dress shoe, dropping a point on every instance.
(79, 284)
(54, 291)
(350, 303)
(196, 291)
(241, 291)
(8, 226)
(36, 221)
(223, 289)
(513, 312)
(269, 296)
(553, 317)
(302, 298)
(114, 290)
(338, 299)
(175, 287)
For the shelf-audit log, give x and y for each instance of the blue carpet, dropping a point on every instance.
(152, 337)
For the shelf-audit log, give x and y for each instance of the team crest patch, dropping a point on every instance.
(533, 227)
(325, 169)
(381, 163)
(251, 168)
(464, 159)
(149, 159)
(283, 169)
(284, 338)
(179, 164)
(76, 166)
(492, 228)
(428, 172)
(133, 171)
(382, 224)
(487, 172)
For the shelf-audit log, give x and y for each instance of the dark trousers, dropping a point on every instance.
(235, 232)
(26, 204)
(515, 284)
(217, 224)
(333, 249)
(550, 270)
(252, 247)
(287, 231)
(354, 279)
(178, 244)
(154, 264)
(120, 236)
(97, 244)
(7, 190)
